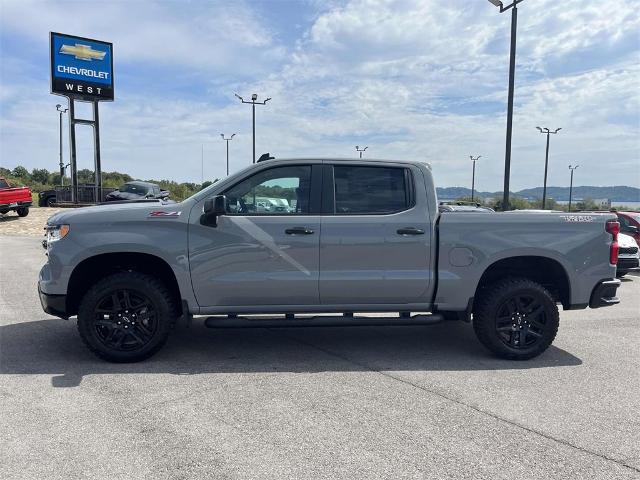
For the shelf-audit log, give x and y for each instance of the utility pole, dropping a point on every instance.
(473, 176)
(253, 102)
(360, 150)
(228, 140)
(512, 73)
(546, 162)
(202, 165)
(62, 167)
(571, 184)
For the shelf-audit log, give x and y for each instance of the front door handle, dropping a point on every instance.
(298, 231)
(410, 231)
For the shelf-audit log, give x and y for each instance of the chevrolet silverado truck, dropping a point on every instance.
(16, 199)
(358, 237)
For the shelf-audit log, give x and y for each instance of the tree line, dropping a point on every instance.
(519, 203)
(40, 179)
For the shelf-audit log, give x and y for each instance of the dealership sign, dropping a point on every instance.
(81, 68)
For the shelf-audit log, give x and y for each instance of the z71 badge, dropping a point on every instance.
(161, 214)
(577, 218)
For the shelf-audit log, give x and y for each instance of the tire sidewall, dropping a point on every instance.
(491, 338)
(143, 284)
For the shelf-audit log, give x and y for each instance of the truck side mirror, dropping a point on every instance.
(213, 208)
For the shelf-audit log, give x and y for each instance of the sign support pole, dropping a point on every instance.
(96, 153)
(72, 151)
(95, 123)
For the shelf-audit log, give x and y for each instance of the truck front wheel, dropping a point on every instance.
(126, 317)
(516, 318)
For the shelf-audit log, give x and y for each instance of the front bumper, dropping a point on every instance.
(628, 263)
(53, 304)
(18, 204)
(604, 294)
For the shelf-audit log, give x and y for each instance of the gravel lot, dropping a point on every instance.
(405, 402)
(32, 224)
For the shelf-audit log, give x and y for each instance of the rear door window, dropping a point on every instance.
(363, 190)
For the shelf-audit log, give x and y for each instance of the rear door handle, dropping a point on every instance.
(298, 231)
(410, 231)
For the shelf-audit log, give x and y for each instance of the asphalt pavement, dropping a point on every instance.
(384, 402)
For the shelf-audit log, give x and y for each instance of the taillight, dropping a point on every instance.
(613, 227)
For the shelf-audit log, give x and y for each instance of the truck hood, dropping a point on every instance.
(117, 212)
(626, 241)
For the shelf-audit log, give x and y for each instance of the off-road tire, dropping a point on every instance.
(22, 211)
(139, 284)
(489, 312)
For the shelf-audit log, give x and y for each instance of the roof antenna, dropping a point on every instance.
(264, 157)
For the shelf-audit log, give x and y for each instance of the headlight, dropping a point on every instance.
(56, 232)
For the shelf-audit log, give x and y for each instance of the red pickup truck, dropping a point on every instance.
(14, 198)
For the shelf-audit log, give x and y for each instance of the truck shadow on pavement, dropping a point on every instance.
(53, 347)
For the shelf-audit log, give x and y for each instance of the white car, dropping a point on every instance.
(628, 256)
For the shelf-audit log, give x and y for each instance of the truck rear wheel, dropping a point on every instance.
(23, 211)
(516, 318)
(126, 317)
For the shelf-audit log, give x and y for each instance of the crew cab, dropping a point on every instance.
(16, 199)
(359, 236)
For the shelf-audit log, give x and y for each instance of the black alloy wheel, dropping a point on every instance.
(127, 316)
(125, 320)
(521, 321)
(516, 318)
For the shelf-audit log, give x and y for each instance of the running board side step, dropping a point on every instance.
(320, 321)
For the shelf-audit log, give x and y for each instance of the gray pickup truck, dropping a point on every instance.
(347, 236)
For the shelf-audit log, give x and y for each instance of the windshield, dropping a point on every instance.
(4, 184)
(134, 188)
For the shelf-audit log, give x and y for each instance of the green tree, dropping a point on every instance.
(586, 204)
(40, 175)
(85, 176)
(20, 172)
(515, 203)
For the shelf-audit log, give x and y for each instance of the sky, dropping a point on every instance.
(420, 80)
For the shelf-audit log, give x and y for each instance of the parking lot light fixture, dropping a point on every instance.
(547, 132)
(571, 184)
(360, 150)
(227, 140)
(512, 71)
(473, 175)
(253, 102)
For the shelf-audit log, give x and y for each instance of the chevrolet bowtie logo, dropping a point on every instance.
(82, 52)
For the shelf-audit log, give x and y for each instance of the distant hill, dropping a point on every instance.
(619, 193)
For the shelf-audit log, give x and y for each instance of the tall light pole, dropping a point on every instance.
(360, 150)
(473, 176)
(61, 111)
(227, 140)
(254, 102)
(571, 184)
(512, 73)
(546, 162)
